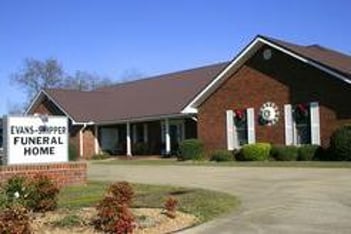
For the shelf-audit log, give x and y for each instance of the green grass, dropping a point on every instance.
(205, 204)
(174, 162)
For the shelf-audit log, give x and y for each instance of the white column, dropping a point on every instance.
(129, 145)
(96, 142)
(145, 133)
(167, 137)
(81, 142)
(230, 129)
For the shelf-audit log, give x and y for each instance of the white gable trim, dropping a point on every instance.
(37, 99)
(240, 59)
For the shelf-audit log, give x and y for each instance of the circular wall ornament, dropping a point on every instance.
(267, 54)
(269, 113)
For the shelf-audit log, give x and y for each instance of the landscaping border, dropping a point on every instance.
(70, 173)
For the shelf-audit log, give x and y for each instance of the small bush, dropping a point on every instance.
(113, 213)
(140, 148)
(340, 144)
(191, 149)
(222, 156)
(170, 207)
(72, 153)
(14, 220)
(122, 192)
(100, 156)
(255, 152)
(17, 190)
(307, 152)
(43, 195)
(284, 152)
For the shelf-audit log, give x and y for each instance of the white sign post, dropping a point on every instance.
(35, 139)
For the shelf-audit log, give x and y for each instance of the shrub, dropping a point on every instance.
(221, 156)
(14, 220)
(100, 156)
(113, 213)
(170, 207)
(72, 153)
(284, 152)
(307, 152)
(43, 195)
(340, 144)
(17, 190)
(140, 148)
(255, 152)
(122, 192)
(191, 149)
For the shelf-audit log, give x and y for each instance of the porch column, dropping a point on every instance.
(81, 142)
(96, 142)
(129, 145)
(167, 137)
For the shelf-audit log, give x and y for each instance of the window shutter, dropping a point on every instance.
(315, 124)
(289, 136)
(251, 138)
(230, 129)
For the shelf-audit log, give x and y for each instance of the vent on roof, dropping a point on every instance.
(267, 54)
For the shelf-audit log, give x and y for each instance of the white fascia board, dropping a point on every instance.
(241, 58)
(43, 93)
(305, 60)
(235, 64)
(142, 119)
(34, 101)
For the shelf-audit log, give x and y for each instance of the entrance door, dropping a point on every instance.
(109, 139)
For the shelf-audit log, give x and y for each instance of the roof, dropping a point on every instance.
(336, 64)
(157, 96)
(181, 92)
(332, 59)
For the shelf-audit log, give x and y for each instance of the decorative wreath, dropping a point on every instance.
(301, 112)
(269, 114)
(240, 116)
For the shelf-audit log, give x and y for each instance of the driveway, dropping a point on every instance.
(274, 200)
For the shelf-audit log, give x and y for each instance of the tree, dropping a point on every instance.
(85, 81)
(35, 75)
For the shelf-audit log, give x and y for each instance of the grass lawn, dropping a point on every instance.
(174, 162)
(205, 204)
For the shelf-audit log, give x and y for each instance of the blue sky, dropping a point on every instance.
(115, 37)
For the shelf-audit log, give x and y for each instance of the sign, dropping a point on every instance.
(35, 139)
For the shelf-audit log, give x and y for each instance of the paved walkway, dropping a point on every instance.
(274, 200)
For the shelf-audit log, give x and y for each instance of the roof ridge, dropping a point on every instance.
(162, 76)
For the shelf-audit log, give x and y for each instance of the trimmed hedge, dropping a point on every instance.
(191, 149)
(284, 153)
(221, 156)
(340, 144)
(308, 152)
(255, 152)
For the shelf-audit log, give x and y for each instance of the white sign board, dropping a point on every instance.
(35, 139)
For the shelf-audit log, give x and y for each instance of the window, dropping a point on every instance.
(240, 127)
(302, 124)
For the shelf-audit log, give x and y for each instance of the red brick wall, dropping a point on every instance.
(88, 142)
(73, 173)
(282, 80)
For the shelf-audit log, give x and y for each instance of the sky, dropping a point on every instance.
(115, 38)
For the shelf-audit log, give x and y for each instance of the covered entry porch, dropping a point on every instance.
(152, 137)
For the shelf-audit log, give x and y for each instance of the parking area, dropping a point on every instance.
(274, 200)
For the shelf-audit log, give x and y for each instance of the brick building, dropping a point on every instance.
(272, 91)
